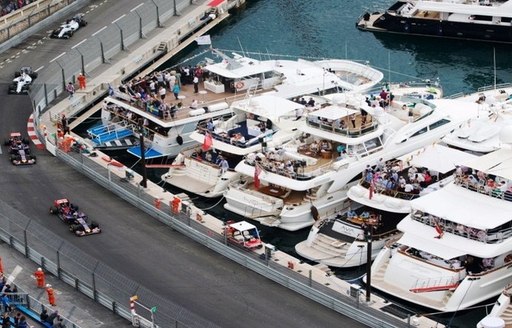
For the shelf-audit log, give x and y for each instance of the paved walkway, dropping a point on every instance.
(71, 304)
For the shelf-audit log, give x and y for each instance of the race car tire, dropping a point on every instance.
(93, 225)
(73, 207)
(25, 141)
(53, 210)
(17, 74)
(7, 142)
(34, 75)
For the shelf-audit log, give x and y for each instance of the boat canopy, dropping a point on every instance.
(268, 106)
(497, 11)
(434, 157)
(432, 246)
(333, 112)
(466, 207)
(498, 163)
(242, 226)
(240, 67)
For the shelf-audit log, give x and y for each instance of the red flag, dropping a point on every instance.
(371, 189)
(208, 141)
(257, 172)
(439, 231)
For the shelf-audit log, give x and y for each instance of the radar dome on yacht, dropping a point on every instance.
(506, 134)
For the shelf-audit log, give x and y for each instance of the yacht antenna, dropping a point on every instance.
(346, 50)
(389, 68)
(241, 48)
(494, 63)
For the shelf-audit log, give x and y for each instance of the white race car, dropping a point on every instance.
(20, 84)
(66, 30)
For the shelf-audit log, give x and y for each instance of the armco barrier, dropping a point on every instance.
(338, 302)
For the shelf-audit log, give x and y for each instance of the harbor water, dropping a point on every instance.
(326, 29)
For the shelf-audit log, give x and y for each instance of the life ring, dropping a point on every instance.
(239, 85)
(508, 258)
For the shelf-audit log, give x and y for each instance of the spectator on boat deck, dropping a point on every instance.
(236, 138)
(380, 165)
(367, 100)
(341, 124)
(162, 91)
(411, 115)
(176, 90)
(195, 81)
(352, 118)
(314, 146)
(224, 165)
(194, 104)
(325, 146)
(298, 113)
(303, 101)
(311, 102)
(210, 126)
(208, 156)
(408, 188)
(152, 87)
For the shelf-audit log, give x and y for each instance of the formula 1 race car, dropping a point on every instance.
(20, 84)
(16, 142)
(78, 222)
(68, 28)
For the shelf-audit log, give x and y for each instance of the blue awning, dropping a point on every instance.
(149, 153)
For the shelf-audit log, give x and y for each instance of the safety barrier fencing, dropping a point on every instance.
(29, 15)
(216, 241)
(103, 45)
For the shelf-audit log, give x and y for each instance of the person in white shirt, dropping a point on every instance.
(194, 104)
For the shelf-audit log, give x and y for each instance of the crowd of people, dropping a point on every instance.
(482, 182)
(8, 6)
(389, 176)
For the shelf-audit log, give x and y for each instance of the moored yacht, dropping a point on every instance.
(456, 248)
(484, 20)
(309, 178)
(482, 134)
(254, 124)
(168, 124)
(384, 193)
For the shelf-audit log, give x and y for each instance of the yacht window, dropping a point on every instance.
(506, 19)
(482, 18)
(438, 124)
(425, 129)
(373, 143)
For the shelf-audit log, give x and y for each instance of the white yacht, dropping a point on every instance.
(484, 20)
(380, 200)
(481, 134)
(456, 248)
(169, 124)
(337, 142)
(254, 124)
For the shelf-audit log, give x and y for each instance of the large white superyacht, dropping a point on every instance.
(379, 201)
(456, 248)
(308, 177)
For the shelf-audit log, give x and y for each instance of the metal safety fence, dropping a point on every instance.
(25, 17)
(215, 240)
(103, 45)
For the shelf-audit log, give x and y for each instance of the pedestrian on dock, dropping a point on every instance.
(176, 90)
(70, 88)
(64, 124)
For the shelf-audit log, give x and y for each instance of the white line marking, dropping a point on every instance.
(137, 7)
(117, 19)
(98, 31)
(40, 68)
(54, 59)
(14, 274)
(79, 43)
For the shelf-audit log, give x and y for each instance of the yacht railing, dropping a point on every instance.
(379, 189)
(482, 189)
(487, 237)
(351, 133)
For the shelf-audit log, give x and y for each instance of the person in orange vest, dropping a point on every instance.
(81, 81)
(51, 295)
(176, 204)
(39, 274)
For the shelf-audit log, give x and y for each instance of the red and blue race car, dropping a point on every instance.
(79, 223)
